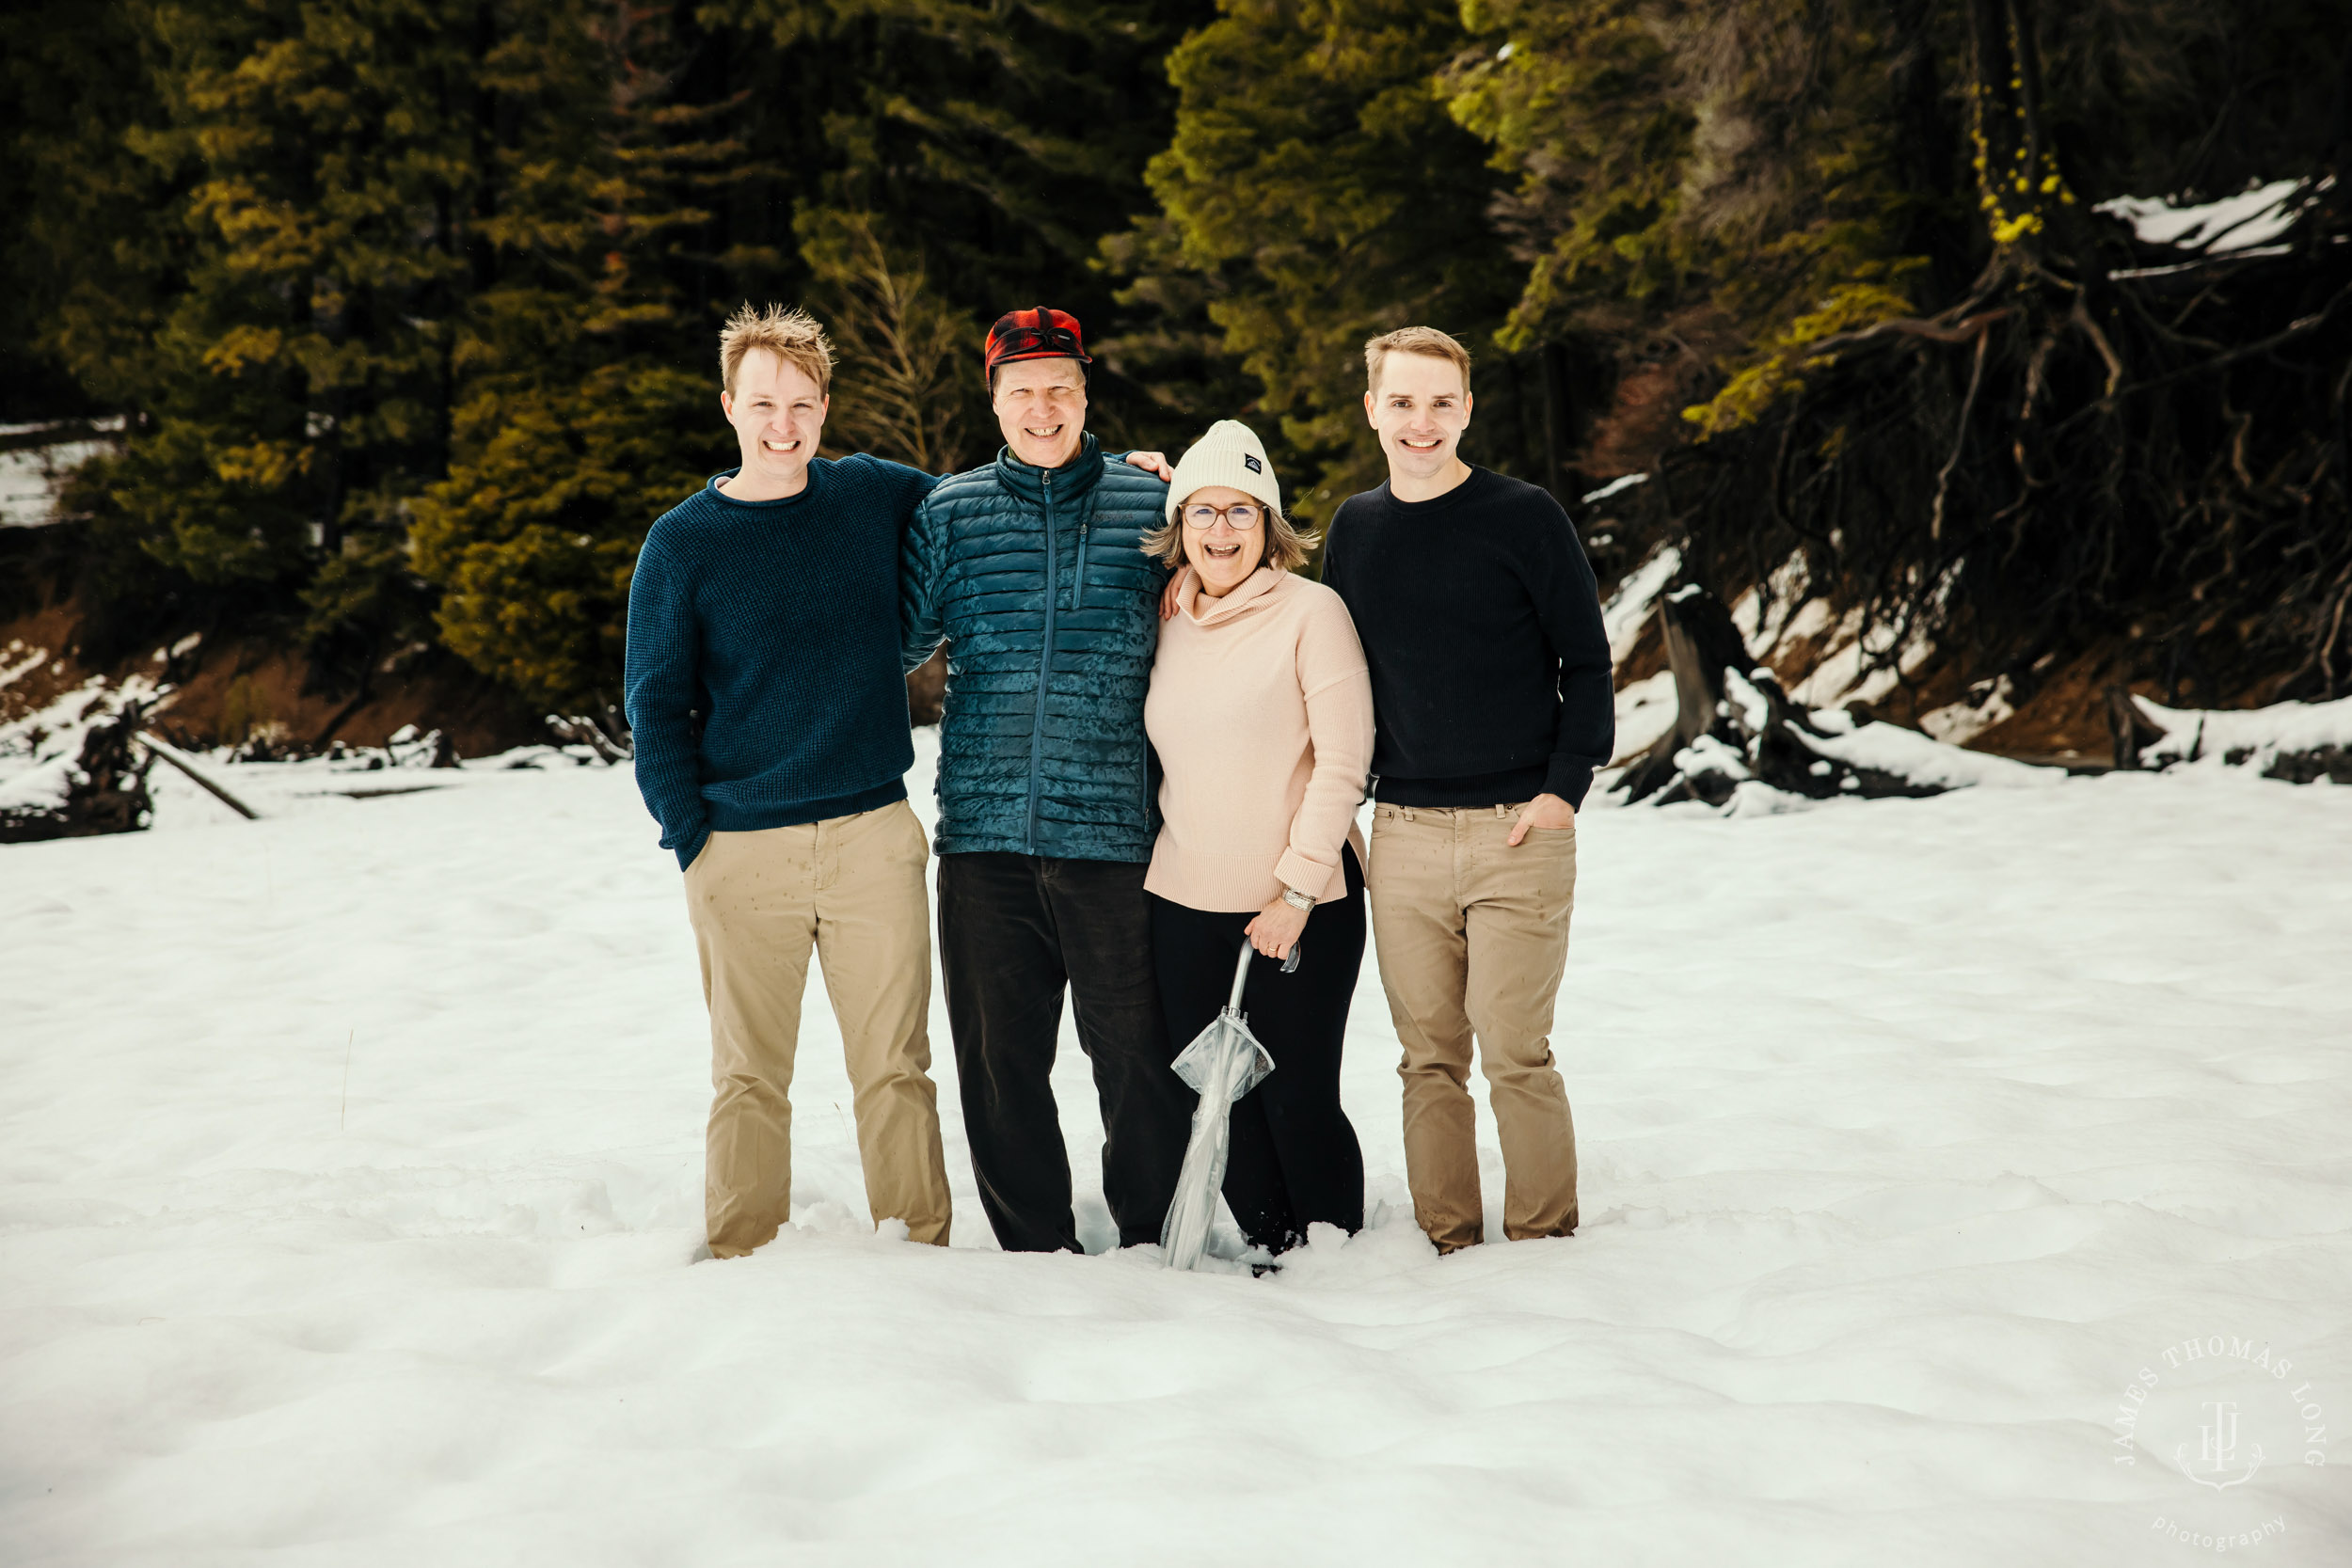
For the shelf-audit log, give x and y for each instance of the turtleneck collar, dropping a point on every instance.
(1202, 611)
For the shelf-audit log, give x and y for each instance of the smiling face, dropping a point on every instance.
(779, 415)
(1420, 408)
(1221, 553)
(1041, 408)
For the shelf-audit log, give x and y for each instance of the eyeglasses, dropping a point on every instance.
(1241, 518)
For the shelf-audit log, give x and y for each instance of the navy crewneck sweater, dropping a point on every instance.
(1481, 623)
(778, 623)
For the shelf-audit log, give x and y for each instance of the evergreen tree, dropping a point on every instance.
(91, 261)
(909, 171)
(424, 248)
(1768, 166)
(1581, 106)
(1318, 183)
(85, 267)
(345, 177)
(533, 536)
(300, 379)
(585, 403)
(986, 148)
(411, 303)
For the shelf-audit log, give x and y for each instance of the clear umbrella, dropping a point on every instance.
(1223, 1063)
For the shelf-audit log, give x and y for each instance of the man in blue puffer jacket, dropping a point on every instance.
(1031, 570)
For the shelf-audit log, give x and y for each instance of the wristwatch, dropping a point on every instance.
(1297, 899)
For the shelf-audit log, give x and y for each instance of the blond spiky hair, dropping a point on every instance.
(788, 332)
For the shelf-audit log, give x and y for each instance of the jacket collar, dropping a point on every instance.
(1072, 480)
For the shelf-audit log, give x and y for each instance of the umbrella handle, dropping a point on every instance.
(1241, 969)
(1241, 976)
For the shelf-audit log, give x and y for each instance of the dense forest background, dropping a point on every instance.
(408, 305)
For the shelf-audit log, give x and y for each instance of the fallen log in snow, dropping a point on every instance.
(607, 735)
(2298, 742)
(1738, 739)
(172, 754)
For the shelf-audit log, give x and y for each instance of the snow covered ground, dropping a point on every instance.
(350, 1171)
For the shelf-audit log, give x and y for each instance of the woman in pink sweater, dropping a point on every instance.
(1261, 713)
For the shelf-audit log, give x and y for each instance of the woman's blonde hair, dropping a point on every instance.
(1286, 547)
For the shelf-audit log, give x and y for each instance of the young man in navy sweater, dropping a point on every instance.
(1493, 704)
(767, 605)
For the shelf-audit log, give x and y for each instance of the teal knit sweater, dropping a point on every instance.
(772, 627)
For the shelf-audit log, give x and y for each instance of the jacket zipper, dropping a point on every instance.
(1044, 668)
(1086, 526)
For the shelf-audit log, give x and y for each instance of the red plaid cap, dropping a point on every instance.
(1034, 334)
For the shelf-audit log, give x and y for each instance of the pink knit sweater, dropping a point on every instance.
(1261, 711)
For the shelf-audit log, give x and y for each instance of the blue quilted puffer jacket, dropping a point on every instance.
(1035, 579)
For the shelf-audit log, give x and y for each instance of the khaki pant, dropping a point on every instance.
(852, 886)
(1473, 936)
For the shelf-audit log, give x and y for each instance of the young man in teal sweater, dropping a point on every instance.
(766, 606)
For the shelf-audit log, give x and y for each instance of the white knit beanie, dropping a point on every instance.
(1230, 454)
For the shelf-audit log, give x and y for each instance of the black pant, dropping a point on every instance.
(1295, 1159)
(1013, 930)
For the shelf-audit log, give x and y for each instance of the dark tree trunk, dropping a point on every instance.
(1558, 418)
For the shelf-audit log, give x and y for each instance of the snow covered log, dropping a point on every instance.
(607, 735)
(2298, 742)
(156, 746)
(98, 788)
(1738, 739)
